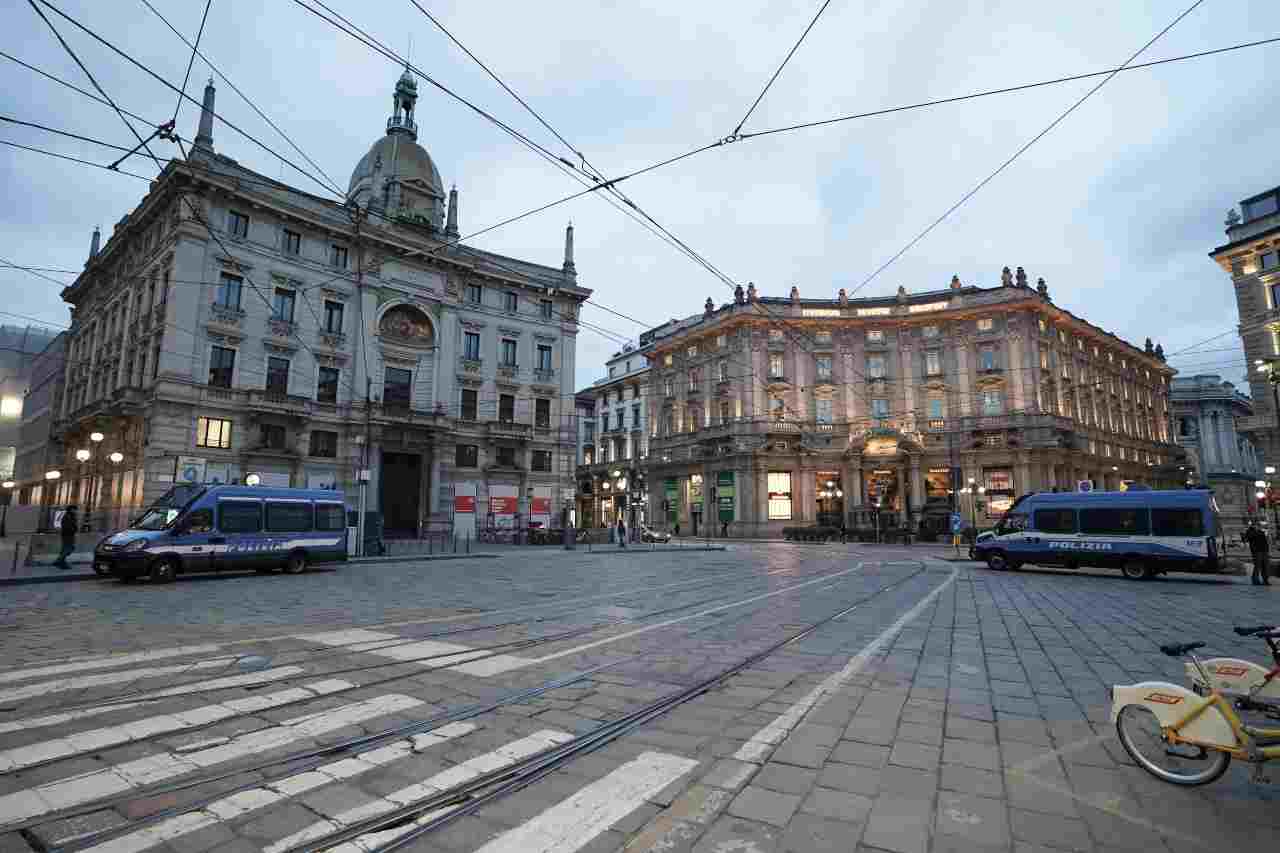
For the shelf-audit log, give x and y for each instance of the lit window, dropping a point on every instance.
(1044, 360)
(1044, 327)
(722, 341)
(991, 404)
(779, 496)
(875, 366)
(213, 432)
(875, 336)
(10, 407)
(930, 331)
(775, 366)
(986, 324)
(666, 360)
(933, 363)
(693, 350)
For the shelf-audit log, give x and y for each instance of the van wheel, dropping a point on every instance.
(997, 562)
(296, 563)
(164, 570)
(1136, 570)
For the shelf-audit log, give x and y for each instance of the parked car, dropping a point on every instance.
(648, 534)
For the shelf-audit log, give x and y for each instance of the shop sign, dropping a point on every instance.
(725, 494)
(881, 447)
(928, 306)
(820, 312)
(464, 503)
(502, 504)
(884, 311)
(541, 506)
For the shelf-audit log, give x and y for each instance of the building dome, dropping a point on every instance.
(398, 156)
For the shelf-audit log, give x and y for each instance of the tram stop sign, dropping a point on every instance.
(957, 523)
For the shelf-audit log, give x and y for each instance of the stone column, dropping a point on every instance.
(962, 368)
(1022, 475)
(917, 487)
(1016, 369)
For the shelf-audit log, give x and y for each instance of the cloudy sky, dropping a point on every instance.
(1116, 208)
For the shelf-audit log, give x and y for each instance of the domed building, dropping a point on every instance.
(233, 327)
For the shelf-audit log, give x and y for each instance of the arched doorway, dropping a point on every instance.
(407, 340)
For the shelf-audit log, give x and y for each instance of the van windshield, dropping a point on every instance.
(166, 510)
(156, 519)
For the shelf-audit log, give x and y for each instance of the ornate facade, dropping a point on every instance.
(1205, 413)
(767, 413)
(232, 325)
(611, 480)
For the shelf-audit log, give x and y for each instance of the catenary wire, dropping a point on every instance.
(195, 49)
(785, 60)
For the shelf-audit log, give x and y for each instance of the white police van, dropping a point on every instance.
(228, 528)
(1142, 533)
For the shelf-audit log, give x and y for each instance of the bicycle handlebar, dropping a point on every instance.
(1249, 632)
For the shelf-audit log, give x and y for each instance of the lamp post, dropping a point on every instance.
(94, 488)
(8, 496)
(84, 456)
(51, 478)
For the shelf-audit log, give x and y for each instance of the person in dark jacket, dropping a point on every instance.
(622, 533)
(68, 526)
(1259, 549)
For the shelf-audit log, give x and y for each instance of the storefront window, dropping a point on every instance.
(830, 494)
(937, 484)
(779, 496)
(1000, 492)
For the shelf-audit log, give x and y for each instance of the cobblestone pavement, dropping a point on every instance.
(934, 706)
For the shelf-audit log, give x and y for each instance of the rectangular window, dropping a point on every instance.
(724, 371)
(510, 302)
(668, 388)
(933, 363)
(228, 296)
(604, 422)
(879, 408)
(273, 436)
(239, 516)
(288, 517)
(324, 443)
(1055, 520)
(475, 294)
(292, 242)
(541, 460)
(1114, 522)
(693, 351)
(213, 432)
(222, 362)
(779, 496)
(466, 456)
(722, 341)
(1044, 359)
(1264, 206)
(635, 417)
(666, 360)
(507, 457)
(338, 256)
(283, 304)
(875, 336)
(777, 408)
(397, 385)
(693, 380)
(1177, 522)
(775, 366)
(823, 411)
(935, 408)
(1269, 260)
(1275, 296)
(277, 375)
(331, 517)
(824, 366)
(544, 357)
(471, 346)
(542, 412)
(726, 412)
(875, 367)
(508, 353)
(546, 307)
(327, 385)
(930, 331)
(986, 324)
(991, 403)
(470, 404)
(506, 408)
(775, 336)
(333, 317)
(986, 358)
(237, 224)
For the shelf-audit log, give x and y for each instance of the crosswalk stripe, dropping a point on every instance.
(105, 662)
(240, 804)
(455, 657)
(249, 678)
(42, 688)
(503, 756)
(141, 772)
(94, 739)
(575, 821)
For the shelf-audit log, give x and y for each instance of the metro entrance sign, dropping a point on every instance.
(1084, 486)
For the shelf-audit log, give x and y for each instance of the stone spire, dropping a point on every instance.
(1042, 288)
(569, 268)
(204, 136)
(95, 242)
(451, 226)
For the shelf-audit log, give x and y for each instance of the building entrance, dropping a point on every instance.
(830, 491)
(401, 494)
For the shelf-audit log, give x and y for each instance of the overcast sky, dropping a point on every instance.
(1116, 208)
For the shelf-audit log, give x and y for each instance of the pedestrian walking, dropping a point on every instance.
(677, 528)
(1259, 549)
(67, 527)
(622, 534)
(724, 530)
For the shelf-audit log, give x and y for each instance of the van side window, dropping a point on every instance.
(1114, 522)
(199, 521)
(1177, 522)
(331, 516)
(288, 517)
(1055, 520)
(239, 516)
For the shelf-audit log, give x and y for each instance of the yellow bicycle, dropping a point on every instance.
(1183, 737)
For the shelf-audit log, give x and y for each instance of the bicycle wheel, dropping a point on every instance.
(1140, 733)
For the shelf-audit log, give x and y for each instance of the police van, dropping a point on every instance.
(228, 528)
(1142, 533)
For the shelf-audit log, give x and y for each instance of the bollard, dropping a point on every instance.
(468, 541)
(17, 546)
(430, 545)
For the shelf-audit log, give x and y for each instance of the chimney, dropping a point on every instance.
(569, 268)
(95, 243)
(204, 137)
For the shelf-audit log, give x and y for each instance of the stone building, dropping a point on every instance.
(38, 453)
(768, 412)
(19, 347)
(235, 327)
(611, 483)
(1251, 256)
(1205, 413)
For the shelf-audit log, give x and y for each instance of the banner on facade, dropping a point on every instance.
(695, 493)
(540, 506)
(464, 510)
(464, 503)
(672, 492)
(725, 493)
(503, 505)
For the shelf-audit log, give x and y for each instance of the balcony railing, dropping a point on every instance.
(509, 429)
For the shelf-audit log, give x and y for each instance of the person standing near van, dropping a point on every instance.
(622, 533)
(67, 527)
(1259, 549)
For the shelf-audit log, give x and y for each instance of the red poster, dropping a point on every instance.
(541, 506)
(464, 503)
(502, 505)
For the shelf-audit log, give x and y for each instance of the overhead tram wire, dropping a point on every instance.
(1008, 162)
(74, 160)
(195, 49)
(737, 130)
(74, 87)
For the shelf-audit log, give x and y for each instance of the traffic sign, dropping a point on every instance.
(957, 523)
(1084, 486)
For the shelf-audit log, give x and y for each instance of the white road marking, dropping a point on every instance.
(574, 822)
(501, 757)
(106, 662)
(762, 742)
(95, 739)
(78, 790)
(248, 678)
(428, 652)
(237, 805)
(42, 688)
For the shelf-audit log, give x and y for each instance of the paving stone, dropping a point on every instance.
(785, 778)
(1060, 832)
(850, 777)
(983, 756)
(837, 805)
(809, 833)
(871, 730)
(918, 733)
(730, 774)
(964, 728)
(866, 755)
(918, 755)
(736, 834)
(899, 824)
(770, 807)
(969, 780)
(975, 819)
(699, 804)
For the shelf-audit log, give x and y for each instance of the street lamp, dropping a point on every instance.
(116, 457)
(252, 480)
